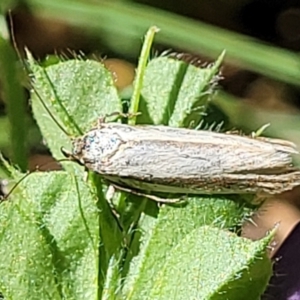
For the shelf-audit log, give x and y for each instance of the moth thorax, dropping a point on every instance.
(97, 144)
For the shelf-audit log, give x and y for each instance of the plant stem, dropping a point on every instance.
(143, 60)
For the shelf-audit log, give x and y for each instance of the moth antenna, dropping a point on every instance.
(64, 109)
(48, 111)
(5, 197)
(12, 31)
(38, 168)
(27, 70)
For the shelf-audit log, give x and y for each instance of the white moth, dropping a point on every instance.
(185, 161)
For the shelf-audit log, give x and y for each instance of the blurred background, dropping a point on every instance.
(261, 71)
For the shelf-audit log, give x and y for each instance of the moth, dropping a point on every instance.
(170, 160)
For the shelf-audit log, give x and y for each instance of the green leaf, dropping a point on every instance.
(49, 239)
(158, 236)
(213, 264)
(13, 94)
(76, 93)
(175, 92)
(5, 7)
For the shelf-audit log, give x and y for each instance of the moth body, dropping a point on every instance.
(186, 161)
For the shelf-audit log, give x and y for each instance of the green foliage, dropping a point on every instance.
(204, 264)
(49, 238)
(15, 105)
(182, 96)
(59, 239)
(121, 32)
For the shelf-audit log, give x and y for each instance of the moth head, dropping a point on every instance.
(86, 149)
(81, 151)
(94, 147)
(77, 153)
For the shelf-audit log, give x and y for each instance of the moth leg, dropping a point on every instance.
(259, 131)
(234, 132)
(118, 114)
(151, 197)
(109, 197)
(85, 175)
(254, 134)
(102, 119)
(4, 189)
(110, 192)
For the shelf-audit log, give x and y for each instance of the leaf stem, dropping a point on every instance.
(143, 60)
